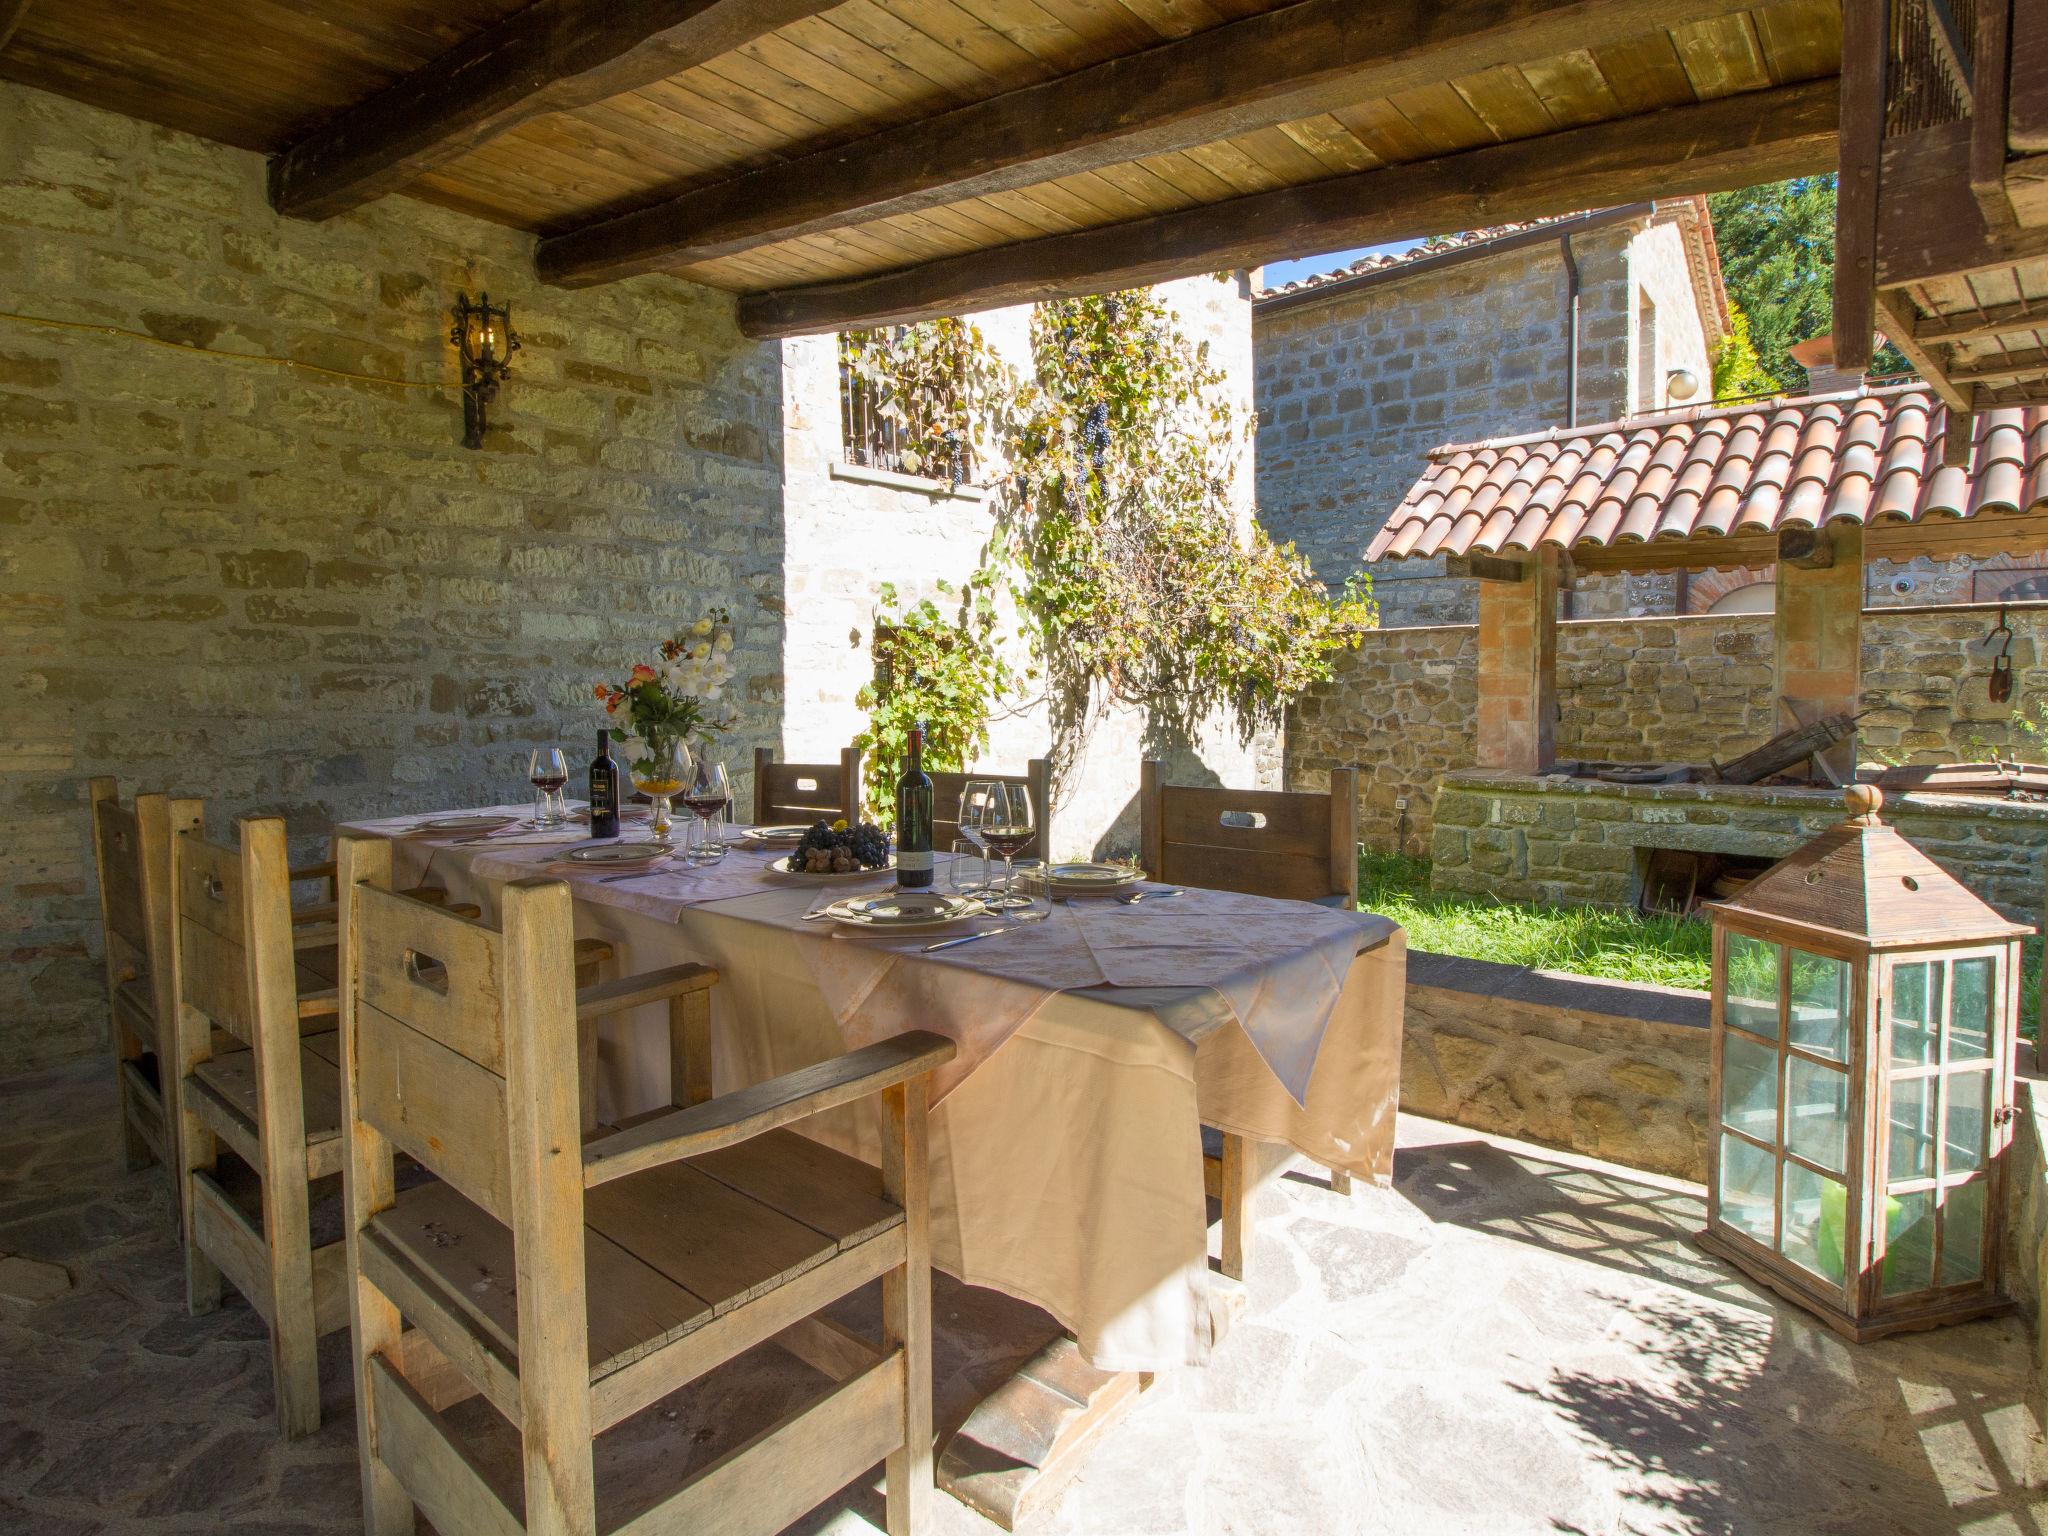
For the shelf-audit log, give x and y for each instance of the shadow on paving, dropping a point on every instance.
(1738, 1414)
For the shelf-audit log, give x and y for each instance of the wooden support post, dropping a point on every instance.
(1865, 33)
(1518, 669)
(689, 1049)
(1817, 630)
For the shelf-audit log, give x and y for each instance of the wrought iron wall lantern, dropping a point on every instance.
(484, 337)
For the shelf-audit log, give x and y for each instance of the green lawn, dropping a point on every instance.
(1586, 941)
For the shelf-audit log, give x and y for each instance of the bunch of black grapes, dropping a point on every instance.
(834, 848)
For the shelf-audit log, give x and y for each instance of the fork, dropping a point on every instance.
(1134, 897)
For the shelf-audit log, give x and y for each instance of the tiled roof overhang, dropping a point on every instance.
(1727, 474)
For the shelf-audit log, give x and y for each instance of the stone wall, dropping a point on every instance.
(295, 592)
(1613, 1069)
(1579, 842)
(1652, 690)
(851, 529)
(1356, 388)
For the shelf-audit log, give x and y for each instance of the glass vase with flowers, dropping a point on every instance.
(666, 705)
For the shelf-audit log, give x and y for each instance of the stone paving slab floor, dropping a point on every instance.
(1507, 1341)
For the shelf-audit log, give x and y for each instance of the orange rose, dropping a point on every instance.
(600, 690)
(641, 674)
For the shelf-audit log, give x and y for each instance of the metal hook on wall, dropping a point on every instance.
(2001, 664)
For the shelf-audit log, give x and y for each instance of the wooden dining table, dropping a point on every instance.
(1066, 1141)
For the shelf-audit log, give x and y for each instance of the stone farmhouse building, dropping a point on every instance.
(1504, 331)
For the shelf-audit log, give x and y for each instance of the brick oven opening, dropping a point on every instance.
(1675, 881)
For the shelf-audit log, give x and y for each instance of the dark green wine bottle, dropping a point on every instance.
(604, 789)
(914, 818)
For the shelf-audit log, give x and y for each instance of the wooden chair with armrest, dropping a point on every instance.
(574, 1287)
(1298, 846)
(787, 793)
(131, 847)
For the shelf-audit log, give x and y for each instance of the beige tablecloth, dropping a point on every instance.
(1066, 1155)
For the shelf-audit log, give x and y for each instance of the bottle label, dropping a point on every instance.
(913, 861)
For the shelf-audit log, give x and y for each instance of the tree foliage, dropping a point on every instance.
(1778, 259)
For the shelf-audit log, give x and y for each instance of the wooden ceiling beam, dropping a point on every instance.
(2009, 369)
(1992, 320)
(1732, 141)
(553, 56)
(1278, 67)
(11, 13)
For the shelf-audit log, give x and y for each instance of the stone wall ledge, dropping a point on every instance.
(1768, 796)
(1641, 1001)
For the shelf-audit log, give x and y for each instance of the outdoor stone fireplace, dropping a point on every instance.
(1569, 840)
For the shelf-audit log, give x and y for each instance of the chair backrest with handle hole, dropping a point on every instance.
(1297, 845)
(787, 793)
(459, 1049)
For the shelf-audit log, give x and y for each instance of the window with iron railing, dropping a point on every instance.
(903, 405)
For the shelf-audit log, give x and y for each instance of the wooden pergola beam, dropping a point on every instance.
(11, 13)
(1734, 141)
(1312, 57)
(551, 57)
(1992, 320)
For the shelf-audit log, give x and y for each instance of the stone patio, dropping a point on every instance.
(1510, 1340)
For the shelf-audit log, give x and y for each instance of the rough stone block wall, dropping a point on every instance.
(1575, 842)
(839, 522)
(1614, 1070)
(1657, 690)
(296, 593)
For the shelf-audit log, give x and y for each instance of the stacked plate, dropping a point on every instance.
(1087, 879)
(475, 826)
(619, 855)
(774, 837)
(903, 911)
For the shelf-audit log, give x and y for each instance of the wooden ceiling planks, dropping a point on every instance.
(826, 78)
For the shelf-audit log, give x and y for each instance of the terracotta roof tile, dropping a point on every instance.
(1870, 457)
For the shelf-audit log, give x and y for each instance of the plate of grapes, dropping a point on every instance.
(836, 851)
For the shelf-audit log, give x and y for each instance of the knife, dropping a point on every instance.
(969, 938)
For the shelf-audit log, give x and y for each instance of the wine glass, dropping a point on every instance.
(661, 771)
(548, 771)
(999, 814)
(707, 795)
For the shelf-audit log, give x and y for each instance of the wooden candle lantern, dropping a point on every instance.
(1864, 1016)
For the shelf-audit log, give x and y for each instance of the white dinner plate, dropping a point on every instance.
(1082, 879)
(465, 824)
(782, 834)
(781, 867)
(903, 911)
(620, 854)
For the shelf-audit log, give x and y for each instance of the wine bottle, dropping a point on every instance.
(914, 818)
(604, 789)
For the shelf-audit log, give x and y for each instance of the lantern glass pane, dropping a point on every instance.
(1817, 1112)
(1908, 1242)
(1962, 1233)
(1749, 1088)
(1969, 1036)
(1969, 1119)
(1752, 998)
(1748, 1180)
(1916, 1014)
(1912, 1129)
(1820, 1005)
(1816, 1222)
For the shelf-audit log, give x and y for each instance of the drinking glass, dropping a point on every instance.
(1030, 892)
(707, 795)
(660, 772)
(548, 771)
(968, 872)
(998, 815)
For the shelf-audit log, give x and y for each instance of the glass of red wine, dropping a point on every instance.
(548, 772)
(706, 796)
(998, 815)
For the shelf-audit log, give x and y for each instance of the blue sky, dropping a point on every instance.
(1278, 272)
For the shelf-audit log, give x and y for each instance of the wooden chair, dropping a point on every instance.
(805, 792)
(946, 791)
(258, 1068)
(1294, 845)
(573, 1291)
(131, 848)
